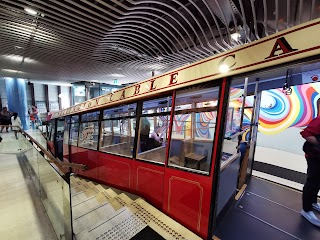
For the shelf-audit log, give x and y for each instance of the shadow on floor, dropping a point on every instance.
(267, 211)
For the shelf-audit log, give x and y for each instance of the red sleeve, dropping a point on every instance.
(313, 129)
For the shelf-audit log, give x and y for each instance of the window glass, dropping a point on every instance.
(51, 130)
(153, 130)
(193, 127)
(89, 132)
(75, 118)
(68, 119)
(233, 126)
(74, 133)
(122, 111)
(60, 125)
(157, 105)
(118, 130)
(66, 131)
(118, 136)
(92, 116)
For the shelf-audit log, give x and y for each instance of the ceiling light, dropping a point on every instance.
(223, 68)
(235, 36)
(116, 75)
(15, 57)
(9, 70)
(30, 11)
(19, 58)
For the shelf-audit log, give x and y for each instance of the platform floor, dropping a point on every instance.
(267, 211)
(22, 215)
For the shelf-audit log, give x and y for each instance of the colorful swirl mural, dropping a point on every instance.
(204, 124)
(279, 111)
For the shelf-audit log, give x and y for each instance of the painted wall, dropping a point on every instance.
(283, 115)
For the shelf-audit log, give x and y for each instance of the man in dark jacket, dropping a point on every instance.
(312, 186)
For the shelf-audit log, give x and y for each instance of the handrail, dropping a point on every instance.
(235, 135)
(53, 159)
(230, 160)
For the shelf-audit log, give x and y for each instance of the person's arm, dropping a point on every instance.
(155, 136)
(312, 131)
(312, 139)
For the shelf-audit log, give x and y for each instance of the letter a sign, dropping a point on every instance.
(281, 45)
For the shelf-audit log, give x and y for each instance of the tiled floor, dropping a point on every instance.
(22, 214)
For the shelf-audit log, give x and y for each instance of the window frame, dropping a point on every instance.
(118, 118)
(154, 114)
(89, 121)
(70, 123)
(215, 84)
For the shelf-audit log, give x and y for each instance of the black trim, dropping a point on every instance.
(100, 129)
(216, 173)
(136, 132)
(280, 172)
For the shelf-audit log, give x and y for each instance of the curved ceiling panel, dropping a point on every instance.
(98, 40)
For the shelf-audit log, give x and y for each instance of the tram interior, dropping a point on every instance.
(274, 167)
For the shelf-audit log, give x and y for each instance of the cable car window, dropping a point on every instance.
(232, 131)
(158, 105)
(60, 125)
(89, 130)
(122, 111)
(193, 128)
(66, 130)
(118, 130)
(92, 116)
(75, 118)
(74, 130)
(153, 130)
(52, 127)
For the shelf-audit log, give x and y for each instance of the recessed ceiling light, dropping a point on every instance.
(235, 36)
(19, 58)
(116, 75)
(30, 11)
(9, 70)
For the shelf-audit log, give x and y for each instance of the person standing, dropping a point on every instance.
(157, 137)
(5, 120)
(16, 124)
(312, 186)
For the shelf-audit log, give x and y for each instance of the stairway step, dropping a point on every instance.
(102, 213)
(103, 196)
(94, 202)
(132, 219)
(122, 225)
